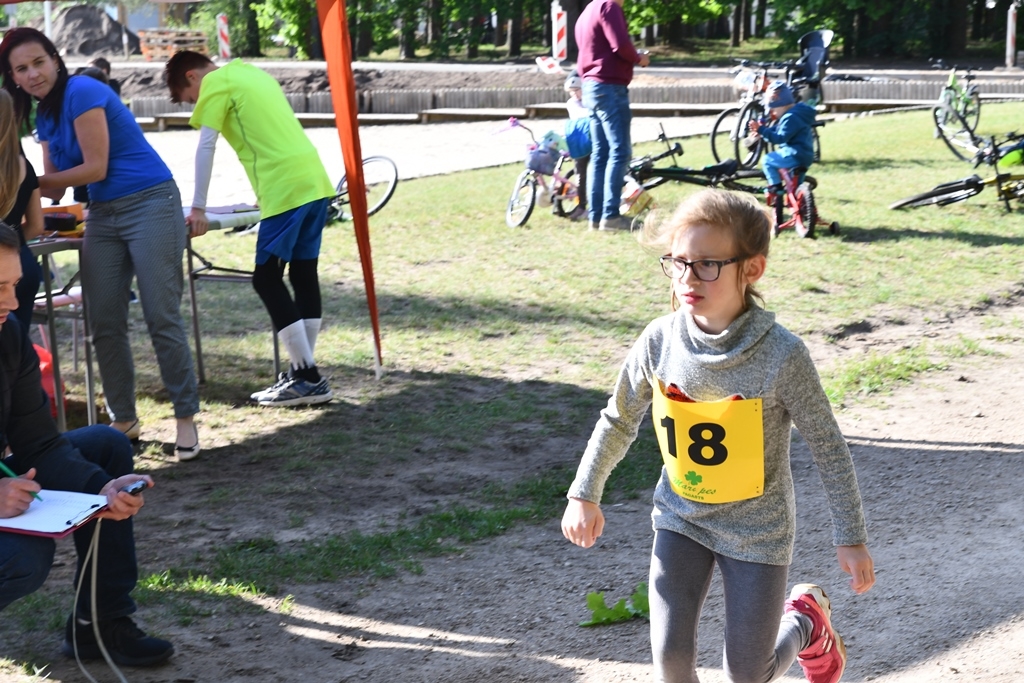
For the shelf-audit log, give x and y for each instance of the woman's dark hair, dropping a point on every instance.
(50, 105)
(9, 239)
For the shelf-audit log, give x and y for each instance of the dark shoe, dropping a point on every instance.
(616, 223)
(125, 642)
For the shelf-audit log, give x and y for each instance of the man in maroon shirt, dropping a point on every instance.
(605, 63)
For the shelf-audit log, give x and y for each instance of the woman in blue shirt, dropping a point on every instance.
(135, 224)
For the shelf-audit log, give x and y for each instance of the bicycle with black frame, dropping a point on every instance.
(798, 196)
(1001, 155)
(729, 134)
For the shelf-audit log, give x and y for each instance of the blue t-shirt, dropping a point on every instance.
(133, 165)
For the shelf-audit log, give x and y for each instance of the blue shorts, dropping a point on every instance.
(293, 235)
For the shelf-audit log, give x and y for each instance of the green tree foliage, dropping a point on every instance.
(242, 23)
(292, 20)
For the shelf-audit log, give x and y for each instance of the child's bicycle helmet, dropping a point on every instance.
(573, 82)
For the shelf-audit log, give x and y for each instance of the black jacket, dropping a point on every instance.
(27, 426)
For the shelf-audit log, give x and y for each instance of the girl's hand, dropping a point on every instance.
(582, 522)
(856, 561)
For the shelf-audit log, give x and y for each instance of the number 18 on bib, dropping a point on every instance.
(713, 452)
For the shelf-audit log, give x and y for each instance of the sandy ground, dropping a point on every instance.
(939, 463)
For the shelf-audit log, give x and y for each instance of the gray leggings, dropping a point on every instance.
(757, 648)
(143, 235)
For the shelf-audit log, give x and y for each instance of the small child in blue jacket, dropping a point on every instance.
(791, 134)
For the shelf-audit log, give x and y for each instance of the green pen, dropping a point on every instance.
(10, 473)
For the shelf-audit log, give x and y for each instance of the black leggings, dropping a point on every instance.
(268, 281)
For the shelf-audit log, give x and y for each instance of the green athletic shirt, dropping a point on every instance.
(246, 105)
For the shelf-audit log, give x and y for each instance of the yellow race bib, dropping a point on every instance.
(713, 452)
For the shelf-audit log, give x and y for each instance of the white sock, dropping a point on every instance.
(296, 343)
(312, 330)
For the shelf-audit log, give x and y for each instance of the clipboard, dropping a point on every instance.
(55, 516)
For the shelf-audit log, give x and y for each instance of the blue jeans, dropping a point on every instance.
(25, 561)
(773, 161)
(609, 131)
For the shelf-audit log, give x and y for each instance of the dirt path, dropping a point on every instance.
(939, 463)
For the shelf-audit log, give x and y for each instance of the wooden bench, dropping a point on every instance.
(855, 104)
(438, 115)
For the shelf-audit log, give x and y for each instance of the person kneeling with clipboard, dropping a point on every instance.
(91, 460)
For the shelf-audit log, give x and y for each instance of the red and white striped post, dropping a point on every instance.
(223, 37)
(559, 33)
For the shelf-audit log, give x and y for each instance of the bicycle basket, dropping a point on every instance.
(542, 159)
(745, 81)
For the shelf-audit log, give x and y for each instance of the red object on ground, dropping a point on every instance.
(49, 386)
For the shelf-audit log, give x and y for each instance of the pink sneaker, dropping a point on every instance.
(824, 660)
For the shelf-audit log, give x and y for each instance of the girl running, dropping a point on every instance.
(725, 382)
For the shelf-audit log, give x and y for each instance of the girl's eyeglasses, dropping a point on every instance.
(705, 270)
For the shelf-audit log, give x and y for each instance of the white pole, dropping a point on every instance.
(48, 19)
(1011, 35)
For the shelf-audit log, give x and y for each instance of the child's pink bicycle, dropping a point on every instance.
(547, 180)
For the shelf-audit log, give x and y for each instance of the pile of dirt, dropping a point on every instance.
(88, 31)
(146, 82)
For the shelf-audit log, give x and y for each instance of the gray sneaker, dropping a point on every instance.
(296, 392)
(617, 223)
(282, 379)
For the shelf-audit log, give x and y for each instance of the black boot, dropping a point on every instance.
(125, 642)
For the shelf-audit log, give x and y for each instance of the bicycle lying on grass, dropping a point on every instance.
(999, 154)
(957, 112)
(381, 177)
(542, 160)
(798, 197)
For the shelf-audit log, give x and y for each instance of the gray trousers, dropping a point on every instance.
(143, 235)
(757, 648)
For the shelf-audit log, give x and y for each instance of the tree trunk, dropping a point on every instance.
(956, 28)
(572, 15)
(737, 21)
(648, 36)
(250, 44)
(407, 38)
(364, 34)
(515, 29)
(499, 29)
(316, 41)
(760, 17)
(674, 32)
(474, 30)
(433, 22)
(745, 24)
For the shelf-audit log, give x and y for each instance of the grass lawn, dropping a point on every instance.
(505, 341)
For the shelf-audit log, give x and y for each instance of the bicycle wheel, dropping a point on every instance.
(970, 109)
(953, 130)
(805, 212)
(941, 195)
(380, 175)
(817, 145)
(749, 156)
(723, 134)
(520, 204)
(567, 196)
